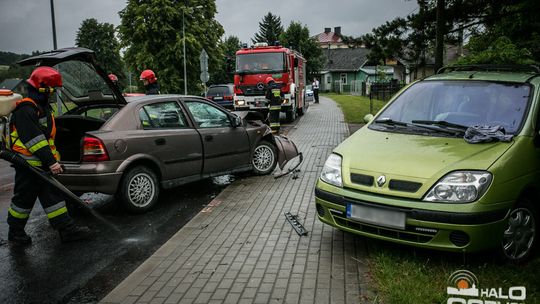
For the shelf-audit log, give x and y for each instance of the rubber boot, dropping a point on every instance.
(19, 237)
(72, 233)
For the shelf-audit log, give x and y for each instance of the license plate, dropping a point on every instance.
(218, 98)
(376, 216)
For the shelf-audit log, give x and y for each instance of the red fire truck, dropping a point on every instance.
(255, 64)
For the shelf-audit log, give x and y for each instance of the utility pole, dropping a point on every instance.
(439, 40)
(53, 25)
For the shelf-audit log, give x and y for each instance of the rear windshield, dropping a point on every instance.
(467, 103)
(80, 79)
(219, 91)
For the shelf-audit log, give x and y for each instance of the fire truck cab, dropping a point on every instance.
(255, 64)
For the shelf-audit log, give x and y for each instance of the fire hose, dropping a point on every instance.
(18, 161)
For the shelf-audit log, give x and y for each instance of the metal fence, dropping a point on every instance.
(382, 91)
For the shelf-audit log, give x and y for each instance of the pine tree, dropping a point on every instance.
(270, 29)
(297, 37)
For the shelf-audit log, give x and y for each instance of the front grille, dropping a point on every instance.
(410, 234)
(252, 90)
(362, 179)
(406, 186)
(459, 238)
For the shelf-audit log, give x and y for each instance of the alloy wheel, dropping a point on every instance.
(519, 235)
(263, 158)
(141, 190)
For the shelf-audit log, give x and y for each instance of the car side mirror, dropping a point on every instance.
(236, 121)
(368, 118)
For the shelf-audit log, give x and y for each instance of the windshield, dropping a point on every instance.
(466, 103)
(219, 91)
(260, 62)
(79, 78)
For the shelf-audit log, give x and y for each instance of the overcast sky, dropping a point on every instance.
(25, 25)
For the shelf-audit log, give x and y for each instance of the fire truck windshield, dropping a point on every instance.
(260, 62)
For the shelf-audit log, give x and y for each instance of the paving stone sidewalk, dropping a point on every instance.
(241, 249)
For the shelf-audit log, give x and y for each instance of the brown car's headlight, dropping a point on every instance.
(460, 187)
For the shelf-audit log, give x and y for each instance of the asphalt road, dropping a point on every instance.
(48, 271)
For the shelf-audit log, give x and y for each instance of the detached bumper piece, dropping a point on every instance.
(293, 220)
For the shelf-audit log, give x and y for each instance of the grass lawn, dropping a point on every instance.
(355, 107)
(404, 274)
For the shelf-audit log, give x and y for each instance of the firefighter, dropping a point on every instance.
(149, 80)
(32, 133)
(273, 94)
(113, 78)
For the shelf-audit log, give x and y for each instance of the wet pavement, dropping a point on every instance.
(84, 272)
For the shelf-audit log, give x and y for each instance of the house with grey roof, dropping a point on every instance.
(345, 69)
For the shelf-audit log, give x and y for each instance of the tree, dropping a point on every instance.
(151, 32)
(270, 29)
(502, 51)
(228, 48)
(297, 37)
(100, 37)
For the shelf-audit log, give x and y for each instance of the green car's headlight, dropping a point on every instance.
(331, 172)
(460, 187)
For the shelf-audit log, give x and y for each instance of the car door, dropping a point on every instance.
(225, 147)
(170, 139)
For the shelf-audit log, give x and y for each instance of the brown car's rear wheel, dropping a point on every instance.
(139, 189)
(264, 158)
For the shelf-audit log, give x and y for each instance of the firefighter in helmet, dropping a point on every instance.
(113, 78)
(32, 134)
(149, 79)
(274, 95)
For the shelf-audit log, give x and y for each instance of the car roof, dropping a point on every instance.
(504, 73)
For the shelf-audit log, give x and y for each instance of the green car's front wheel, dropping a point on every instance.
(521, 233)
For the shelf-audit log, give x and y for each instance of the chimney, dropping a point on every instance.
(337, 30)
(327, 30)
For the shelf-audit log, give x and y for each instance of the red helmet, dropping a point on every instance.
(149, 76)
(45, 77)
(113, 77)
(268, 80)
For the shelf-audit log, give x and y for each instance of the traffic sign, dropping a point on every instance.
(204, 61)
(205, 76)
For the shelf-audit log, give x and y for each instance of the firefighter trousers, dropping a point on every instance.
(273, 118)
(27, 189)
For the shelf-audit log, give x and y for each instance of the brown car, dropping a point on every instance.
(134, 146)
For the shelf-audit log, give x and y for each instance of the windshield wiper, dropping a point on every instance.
(389, 121)
(441, 123)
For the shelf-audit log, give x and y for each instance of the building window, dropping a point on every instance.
(343, 77)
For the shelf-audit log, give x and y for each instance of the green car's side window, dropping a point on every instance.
(164, 115)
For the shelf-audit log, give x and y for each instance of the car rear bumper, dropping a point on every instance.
(442, 230)
(91, 177)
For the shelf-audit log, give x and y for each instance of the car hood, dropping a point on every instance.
(58, 56)
(411, 159)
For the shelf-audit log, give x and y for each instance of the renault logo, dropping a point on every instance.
(381, 180)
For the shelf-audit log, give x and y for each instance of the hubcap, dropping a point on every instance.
(519, 234)
(141, 190)
(263, 158)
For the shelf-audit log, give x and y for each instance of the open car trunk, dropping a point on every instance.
(70, 130)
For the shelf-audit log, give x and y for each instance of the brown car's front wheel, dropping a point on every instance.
(139, 189)
(264, 158)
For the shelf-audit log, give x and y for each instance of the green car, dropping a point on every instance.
(452, 162)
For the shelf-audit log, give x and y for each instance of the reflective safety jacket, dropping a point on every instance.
(32, 130)
(274, 95)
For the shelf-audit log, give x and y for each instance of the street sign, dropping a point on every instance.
(204, 61)
(205, 76)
